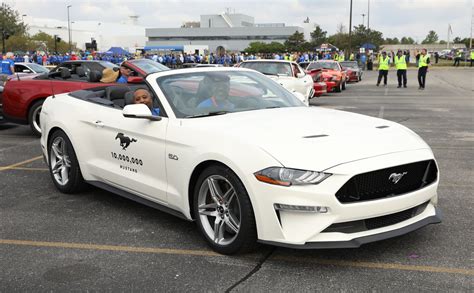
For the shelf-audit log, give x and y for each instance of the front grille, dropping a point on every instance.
(381, 183)
(378, 222)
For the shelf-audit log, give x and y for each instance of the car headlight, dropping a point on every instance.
(287, 177)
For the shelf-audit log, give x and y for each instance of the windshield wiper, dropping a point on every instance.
(213, 113)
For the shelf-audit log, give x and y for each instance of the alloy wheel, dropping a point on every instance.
(59, 161)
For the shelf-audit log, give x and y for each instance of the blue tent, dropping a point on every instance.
(117, 51)
(368, 46)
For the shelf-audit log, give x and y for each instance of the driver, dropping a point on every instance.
(219, 86)
(143, 96)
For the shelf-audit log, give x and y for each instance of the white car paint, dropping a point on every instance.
(341, 143)
(302, 84)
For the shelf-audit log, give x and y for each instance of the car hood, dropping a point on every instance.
(316, 138)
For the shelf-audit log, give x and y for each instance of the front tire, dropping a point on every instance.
(34, 117)
(338, 88)
(344, 86)
(223, 211)
(63, 165)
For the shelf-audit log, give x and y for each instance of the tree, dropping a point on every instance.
(431, 38)
(260, 47)
(442, 42)
(318, 36)
(9, 24)
(296, 42)
(457, 40)
(390, 41)
(407, 41)
(362, 35)
(341, 28)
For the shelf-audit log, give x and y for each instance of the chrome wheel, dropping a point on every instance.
(36, 119)
(59, 161)
(219, 210)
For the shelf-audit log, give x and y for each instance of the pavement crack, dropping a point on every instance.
(257, 267)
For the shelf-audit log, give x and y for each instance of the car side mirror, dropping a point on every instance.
(135, 79)
(300, 74)
(140, 111)
(26, 71)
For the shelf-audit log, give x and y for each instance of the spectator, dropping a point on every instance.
(8, 66)
(125, 72)
(143, 96)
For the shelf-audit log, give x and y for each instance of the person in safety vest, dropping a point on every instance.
(341, 56)
(384, 64)
(351, 57)
(472, 57)
(423, 69)
(401, 65)
(457, 58)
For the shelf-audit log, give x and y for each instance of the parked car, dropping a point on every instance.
(353, 70)
(23, 98)
(257, 165)
(319, 86)
(333, 74)
(287, 73)
(22, 67)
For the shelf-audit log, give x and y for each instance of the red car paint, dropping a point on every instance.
(319, 86)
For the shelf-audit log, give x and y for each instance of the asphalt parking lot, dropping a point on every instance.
(97, 241)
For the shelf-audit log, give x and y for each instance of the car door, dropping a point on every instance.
(302, 82)
(128, 153)
(20, 68)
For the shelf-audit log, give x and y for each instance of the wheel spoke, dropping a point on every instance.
(208, 210)
(56, 151)
(218, 230)
(67, 162)
(64, 175)
(63, 148)
(208, 213)
(57, 167)
(232, 225)
(229, 196)
(214, 192)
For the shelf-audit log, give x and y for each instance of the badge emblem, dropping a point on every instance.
(395, 177)
(125, 141)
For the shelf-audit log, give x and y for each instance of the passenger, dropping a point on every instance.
(219, 92)
(125, 72)
(143, 96)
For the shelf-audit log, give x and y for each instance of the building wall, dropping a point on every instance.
(217, 20)
(229, 45)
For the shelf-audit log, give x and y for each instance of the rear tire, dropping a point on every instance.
(223, 211)
(344, 86)
(34, 117)
(63, 166)
(338, 88)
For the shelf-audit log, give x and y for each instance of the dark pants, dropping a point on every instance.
(402, 73)
(456, 61)
(422, 76)
(383, 73)
(472, 61)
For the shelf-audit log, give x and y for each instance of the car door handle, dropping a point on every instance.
(99, 123)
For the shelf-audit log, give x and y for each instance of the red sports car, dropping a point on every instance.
(354, 72)
(319, 85)
(23, 99)
(332, 73)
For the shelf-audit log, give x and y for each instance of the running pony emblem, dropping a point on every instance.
(125, 141)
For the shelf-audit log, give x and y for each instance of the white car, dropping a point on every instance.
(22, 67)
(241, 156)
(287, 73)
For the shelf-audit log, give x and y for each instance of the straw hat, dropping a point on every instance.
(109, 75)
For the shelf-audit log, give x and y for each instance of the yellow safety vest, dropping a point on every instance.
(383, 64)
(341, 58)
(400, 63)
(472, 55)
(336, 57)
(351, 57)
(423, 62)
(458, 54)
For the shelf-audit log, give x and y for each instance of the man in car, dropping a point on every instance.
(219, 86)
(143, 96)
(124, 74)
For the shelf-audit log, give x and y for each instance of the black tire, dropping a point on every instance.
(75, 182)
(33, 117)
(343, 85)
(338, 88)
(245, 239)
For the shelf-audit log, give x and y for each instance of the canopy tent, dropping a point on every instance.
(117, 51)
(368, 46)
(327, 47)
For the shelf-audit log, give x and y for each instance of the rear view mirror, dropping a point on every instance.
(300, 74)
(135, 79)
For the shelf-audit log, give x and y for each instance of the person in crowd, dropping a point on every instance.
(384, 64)
(436, 55)
(143, 96)
(401, 65)
(26, 58)
(8, 65)
(472, 57)
(423, 68)
(363, 60)
(457, 58)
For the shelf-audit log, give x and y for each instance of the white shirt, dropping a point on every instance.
(27, 58)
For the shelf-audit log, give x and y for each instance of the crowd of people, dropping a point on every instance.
(46, 58)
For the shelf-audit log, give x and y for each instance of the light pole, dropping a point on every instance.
(22, 17)
(69, 28)
(363, 18)
(350, 31)
(368, 14)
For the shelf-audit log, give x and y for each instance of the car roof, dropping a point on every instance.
(199, 69)
(268, 60)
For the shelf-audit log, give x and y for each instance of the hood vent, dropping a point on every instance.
(315, 136)
(382, 126)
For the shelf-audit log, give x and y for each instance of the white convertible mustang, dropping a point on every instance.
(245, 159)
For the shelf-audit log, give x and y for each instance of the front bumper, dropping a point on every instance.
(300, 229)
(320, 88)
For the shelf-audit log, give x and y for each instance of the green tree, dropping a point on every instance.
(431, 38)
(457, 40)
(362, 35)
(296, 42)
(442, 42)
(407, 41)
(9, 23)
(318, 36)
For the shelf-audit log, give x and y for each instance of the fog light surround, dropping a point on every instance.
(299, 208)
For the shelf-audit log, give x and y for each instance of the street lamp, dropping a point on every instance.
(22, 17)
(363, 18)
(69, 28)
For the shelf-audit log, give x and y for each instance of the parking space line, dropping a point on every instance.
(29, 169)
(375, 265)
(174, 251)
(20, 163)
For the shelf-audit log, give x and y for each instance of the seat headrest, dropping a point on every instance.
(116, 92)
(95, 76)
(65, 73)
(80, 72)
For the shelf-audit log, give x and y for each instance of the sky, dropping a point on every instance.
(394, 18)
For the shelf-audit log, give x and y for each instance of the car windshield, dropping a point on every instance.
(107, 64)
(350, 64)
(149, 66)
(326, 65)
(38, 68)
(269, 68)
(208, 93)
